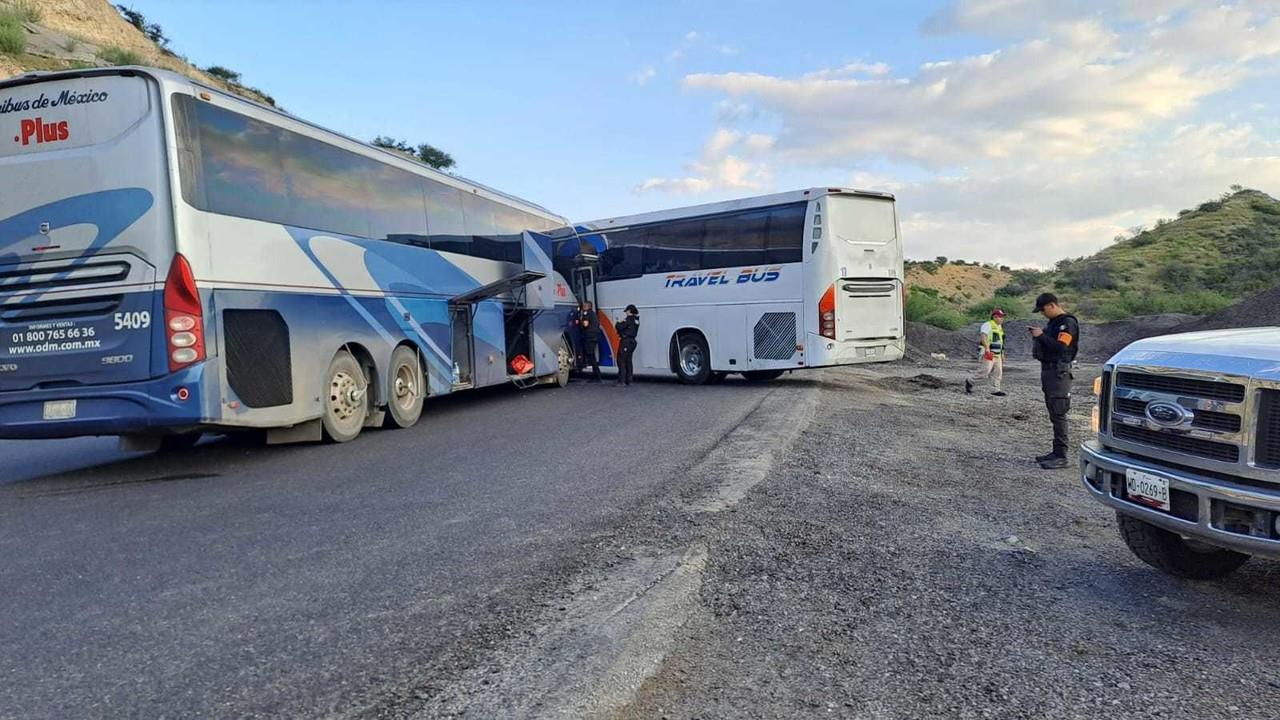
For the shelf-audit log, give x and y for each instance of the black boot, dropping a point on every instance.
(1047, 457)
(1057, 462)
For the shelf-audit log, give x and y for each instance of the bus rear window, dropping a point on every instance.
(72, 113)
(862, 219)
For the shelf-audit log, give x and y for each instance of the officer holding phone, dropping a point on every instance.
(1056, 346)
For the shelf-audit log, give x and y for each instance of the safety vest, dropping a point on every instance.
(996, 331)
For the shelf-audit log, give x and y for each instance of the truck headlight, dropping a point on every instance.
(1095, 419)
(1097, 386)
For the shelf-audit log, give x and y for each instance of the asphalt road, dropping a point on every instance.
(240, 580)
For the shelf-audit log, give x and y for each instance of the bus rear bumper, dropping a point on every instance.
(823, 352)
(148, 407)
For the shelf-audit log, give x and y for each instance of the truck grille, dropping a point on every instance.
(1208, 389)
(1135, 390)
(1205, 419)
(1268, 438)
(1222, 452)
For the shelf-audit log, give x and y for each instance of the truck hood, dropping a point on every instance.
(1253, 352)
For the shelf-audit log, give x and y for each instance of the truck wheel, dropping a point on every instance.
(408, 390)
(1171, 553)
(693, 359)
(346, 399)
(758, 376)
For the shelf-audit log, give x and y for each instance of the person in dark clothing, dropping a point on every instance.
(590, 331)
(1056, 346)
(627, 329)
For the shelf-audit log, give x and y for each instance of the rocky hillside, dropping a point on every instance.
(1206, 259)
(65, 34)
(1203, 261)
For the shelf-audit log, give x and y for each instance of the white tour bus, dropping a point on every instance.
(758, 286)
(175, 259)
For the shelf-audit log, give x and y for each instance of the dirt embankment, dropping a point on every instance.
(78, 31)
(1098, 341)
(964, 284)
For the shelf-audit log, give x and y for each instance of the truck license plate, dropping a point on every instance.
(1147, 489)
(59, 409)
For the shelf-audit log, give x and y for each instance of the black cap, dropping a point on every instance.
(632, 309)
(1045, 299)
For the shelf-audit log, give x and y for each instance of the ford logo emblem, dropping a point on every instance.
(1167, 414)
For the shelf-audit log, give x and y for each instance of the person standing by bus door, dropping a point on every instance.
(990, 354)
(575, 333)
(1056, 347)
(590, 333)
(628, 328)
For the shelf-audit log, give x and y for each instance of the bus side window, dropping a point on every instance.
(734, 240)
(624, 253)
(674, 246)
(397, 206)
(445, 226)
(785, 240)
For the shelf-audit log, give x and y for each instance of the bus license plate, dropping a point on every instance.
(59, 409)
(1147, 489)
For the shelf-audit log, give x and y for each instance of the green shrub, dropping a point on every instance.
(946, 318)
(13, 38)
(119, 56)
(981, 311)
(1130, 303)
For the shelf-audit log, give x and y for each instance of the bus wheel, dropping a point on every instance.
(693, 359)
(408, 390)
(346, 399)
(755, 376)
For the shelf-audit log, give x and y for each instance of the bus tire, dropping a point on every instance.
(759, 376)
(408, 390)
(346, 399)
(565, 358)
(693, 358)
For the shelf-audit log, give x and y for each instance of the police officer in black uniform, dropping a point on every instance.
(589, 327)
(627, 329)
(1056, 347)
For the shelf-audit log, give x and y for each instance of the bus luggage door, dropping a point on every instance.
(463, 345)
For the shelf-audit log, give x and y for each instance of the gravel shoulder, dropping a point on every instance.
(904, 558)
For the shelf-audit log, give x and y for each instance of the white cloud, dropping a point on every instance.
(691, 36)
(644, 75)
(726, 50)
(1081, 125)
(729, 162)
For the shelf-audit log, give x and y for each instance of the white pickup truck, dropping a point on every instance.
(1188, 449)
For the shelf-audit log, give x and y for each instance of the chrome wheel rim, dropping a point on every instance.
(406, 388)
(691, 359)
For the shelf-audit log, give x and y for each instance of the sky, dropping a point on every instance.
(1012, 131)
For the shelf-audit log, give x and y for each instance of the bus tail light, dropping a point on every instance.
(183, 316)
(827, 313)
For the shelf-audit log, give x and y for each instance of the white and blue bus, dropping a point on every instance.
(175, 260)
(757, 286)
